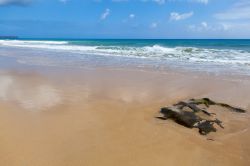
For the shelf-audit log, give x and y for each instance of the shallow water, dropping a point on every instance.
(216, 56)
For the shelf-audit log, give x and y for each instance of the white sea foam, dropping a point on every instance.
(30, 42)
(186, 54)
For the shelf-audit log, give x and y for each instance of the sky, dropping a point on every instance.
(175, 19)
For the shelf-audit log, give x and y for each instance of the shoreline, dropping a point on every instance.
(191, 59)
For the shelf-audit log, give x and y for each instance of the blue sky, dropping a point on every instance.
(125, 18)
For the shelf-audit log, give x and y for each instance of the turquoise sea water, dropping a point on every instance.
(209, 55)
(203, 43)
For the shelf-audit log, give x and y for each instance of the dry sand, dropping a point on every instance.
(107, 118)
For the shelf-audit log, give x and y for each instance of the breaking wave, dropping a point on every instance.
(188, 54)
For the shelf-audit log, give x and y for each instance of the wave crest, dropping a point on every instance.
(188, 54)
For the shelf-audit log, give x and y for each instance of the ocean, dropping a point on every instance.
(226, 56)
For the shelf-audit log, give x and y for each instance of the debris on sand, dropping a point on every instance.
(190, 114)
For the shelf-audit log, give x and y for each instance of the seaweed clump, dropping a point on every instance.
(190, 114)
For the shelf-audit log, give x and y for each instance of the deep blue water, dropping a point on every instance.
(243, 44)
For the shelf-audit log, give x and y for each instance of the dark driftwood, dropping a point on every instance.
(189, 114)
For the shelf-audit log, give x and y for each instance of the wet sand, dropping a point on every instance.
(101, 117)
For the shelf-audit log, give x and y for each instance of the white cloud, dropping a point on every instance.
(63, 1)
(105, 14)
(239, 11)
(232, 26)
(204, 26)
(235, 20)
(15, 2)
(225, 30)
(236, 29)
(201, 1)
(159, 1)
(132, 16)
(178, 16)
(154, 25)
(120, 0)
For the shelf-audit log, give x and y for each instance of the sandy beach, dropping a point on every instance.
(99, 116)
(124, 83)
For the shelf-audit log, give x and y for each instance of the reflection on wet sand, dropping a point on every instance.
(31, 95)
